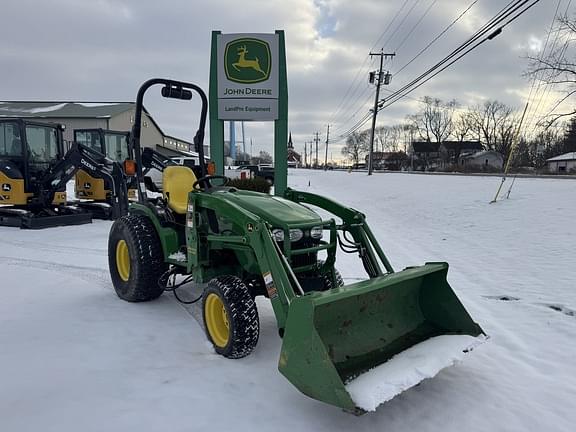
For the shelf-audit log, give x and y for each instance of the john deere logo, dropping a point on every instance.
(247, 61)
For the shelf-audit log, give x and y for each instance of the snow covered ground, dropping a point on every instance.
(73, 357)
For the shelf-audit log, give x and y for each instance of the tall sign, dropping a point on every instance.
(248, 83)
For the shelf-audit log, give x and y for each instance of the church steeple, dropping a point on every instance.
(290, 145)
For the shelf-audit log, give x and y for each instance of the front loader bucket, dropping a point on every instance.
(359, 345)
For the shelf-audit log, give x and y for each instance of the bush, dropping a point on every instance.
(450, 168)
(522, 170)
(256, 184)
(472, 168)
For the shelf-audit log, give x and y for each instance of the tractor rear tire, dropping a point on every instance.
(135, 259)
(230, 317)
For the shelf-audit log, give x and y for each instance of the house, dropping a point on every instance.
(562, 164)
(483, 160)
(393, 161)
(378, 159)
(117, 116)
(294, 158)
(451, 152)
(424, 155)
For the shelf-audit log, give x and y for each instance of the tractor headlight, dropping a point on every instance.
(317, 232)
(296, 234)
(278, 234)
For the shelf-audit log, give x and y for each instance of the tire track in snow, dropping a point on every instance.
(55, 248)
(88, 274)
(557, 307)
(102, 279)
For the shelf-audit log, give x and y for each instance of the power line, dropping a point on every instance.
(361, 68)
(433, 41)
(464, 49)
(514, 9)
(415, 26)
(408, 13)
(355, 106)
(363, 120)
(548, 85)
(367, 99)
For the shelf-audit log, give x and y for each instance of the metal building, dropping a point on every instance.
(91, 115)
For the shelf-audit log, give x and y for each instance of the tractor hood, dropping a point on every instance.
(277, 211)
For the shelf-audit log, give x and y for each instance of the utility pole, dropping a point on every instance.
(305, 154)
(316, 140)
(243, 140)
(326, 155)
(380, 79)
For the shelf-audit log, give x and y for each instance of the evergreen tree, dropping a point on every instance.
(569, 142)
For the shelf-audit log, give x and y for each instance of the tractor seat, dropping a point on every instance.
(177, 183)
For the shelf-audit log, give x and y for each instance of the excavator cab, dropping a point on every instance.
(27, 152)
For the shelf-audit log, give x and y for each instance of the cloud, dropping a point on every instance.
(103, 50)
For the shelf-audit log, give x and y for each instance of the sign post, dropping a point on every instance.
(248, 83)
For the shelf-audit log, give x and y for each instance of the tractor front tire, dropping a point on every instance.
(230, 317)
(135, 259)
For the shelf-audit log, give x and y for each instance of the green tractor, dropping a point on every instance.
(240, 244)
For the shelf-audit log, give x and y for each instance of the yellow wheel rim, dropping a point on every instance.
(217, 320)
(123, 260)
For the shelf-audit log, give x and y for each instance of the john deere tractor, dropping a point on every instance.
(240, 244)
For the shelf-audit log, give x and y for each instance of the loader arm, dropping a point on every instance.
(354, 222)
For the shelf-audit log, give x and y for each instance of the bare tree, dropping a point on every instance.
(407, 134)
(492, 119)
(389, 136)
(434, 120)
(356, 146)
(263, 158)
(464, 126)
(557, 68)
(506, 134)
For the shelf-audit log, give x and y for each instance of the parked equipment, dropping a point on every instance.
(95, 188)
(34, 171)
(243, 244)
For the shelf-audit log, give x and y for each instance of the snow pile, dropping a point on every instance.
(74, 357)
(178, 256)
(408, 368)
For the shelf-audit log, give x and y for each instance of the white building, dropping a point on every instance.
(485, 159)
(562, 164)
(118, 116)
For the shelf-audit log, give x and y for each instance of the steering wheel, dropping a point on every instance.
(210, 177)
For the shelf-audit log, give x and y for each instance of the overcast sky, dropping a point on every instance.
(102, 50)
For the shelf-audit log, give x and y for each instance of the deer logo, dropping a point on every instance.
(247, 61)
